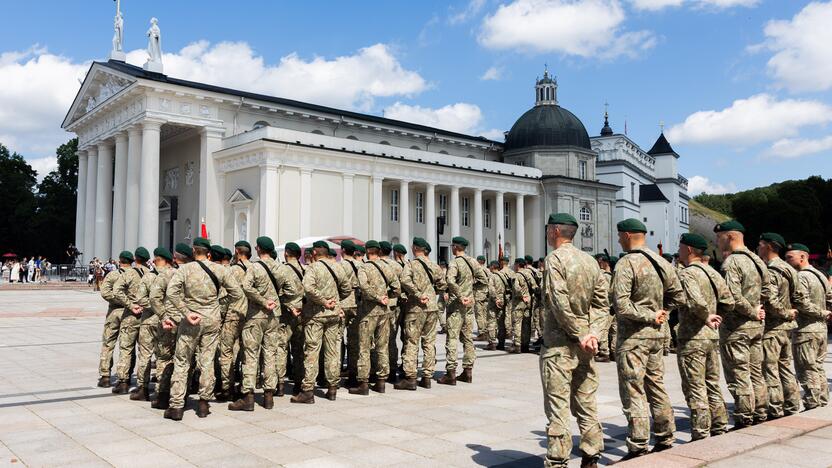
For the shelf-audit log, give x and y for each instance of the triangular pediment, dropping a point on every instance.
(100, 84)
(239, 197)
(164, 204)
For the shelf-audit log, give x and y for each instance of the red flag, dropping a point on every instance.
(499, 248)
(660, 249)
(203, 230)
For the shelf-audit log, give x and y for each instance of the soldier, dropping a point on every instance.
(350, 307)
(442, 301)
(503, 318)
(643, 286)
(378, 282)
(741, 331)
(535, 310)
(127, 289)
(787, 295)
(231, 331)
(604, 344)
(521, 306)
(494, 305)
(421, 281)
(672, 316)
(289, 325)
(395, 310)
(194, 295)
(112, 321)
(811, 333)
(698, 348)
(481, 303)
(575, 312)
(165, 334)
(462, 277)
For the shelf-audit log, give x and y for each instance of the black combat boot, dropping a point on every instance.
(501, 345)
(141, 393)
(281, 389)
(174, 414)
(448, 379)
(203, 409)
(268, 399)
(380, 385)
(661, 447)
(307, 397)
(589, 462)
(121, 388)
(104, 382)
(490, 347)
(406, 384)
(331, 393)
(361, 389)
(466, 376)
(246, 403)
(162, 401)
(425, 382)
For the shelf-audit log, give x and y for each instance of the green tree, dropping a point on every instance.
(55, 218)
(17, 183)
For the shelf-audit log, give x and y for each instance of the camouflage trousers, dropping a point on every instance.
(641, 386)
(322, 333)
(109, 339)
(809, 356)
(536, 320)
(460, 322)
(351, 335)
(128, 334)
(203, 336)
(373, 334)
(699, 367)
(606, 343)
(783, 392)
(443, 308)
(503, 322)
(491, 312)
(667, 336)
(521, 324)
(289, 338)
(742, 363)
(570, 384)
(481, 315)
(165, 342)
(259, 334)
(228, 350)
(419, 327)
(148, 334)
(392, 344)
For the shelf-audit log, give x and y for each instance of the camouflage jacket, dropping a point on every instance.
(523, 286)
(350, 267)
(259, 289)
(108, 293)
(639, 292)
(143, 297)
(461, 278)
(574, 298)
(497, 289)
(322, 284)
(127, 287)
(481, 289)
(192, 290)
(606, 277)
(508, 275)
(374, 286)
(705, 289)
(785, 292)
(396, 268)
(157, 293)
(417, 283)
(812, 317)
(747, 278)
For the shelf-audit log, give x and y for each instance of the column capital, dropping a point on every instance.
(104, 144)
(377, 178)
(212, 131)
(348, 175)
(306, 170)
(152, 124)
(135, 129)
(92, 150)
(121, 135)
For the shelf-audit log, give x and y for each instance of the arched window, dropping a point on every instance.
(585, 214)
(415, 147)
(352, 137)
(260, 124)
(317, 132)
(384, 142)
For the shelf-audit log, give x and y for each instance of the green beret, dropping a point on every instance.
(562, 218)
(529, 259)
(602, 256)
(202, 242)
(142, 252)
(459, 240)
(184, 249)
(292, 249)
(320, 244)
(126, 255)
(541, 259)
(613, 259)
(217, 252)
(331, 252)
(506, 258)
(266, 243)
(800, 247)
(694, 240)
(400, 249)
(372, 244)
(228, 254)
(494, 264)
(480, 258)
(774, 238)
(243, 243)
(520, 261)
(730, 225)
(421, 243)
(361, 249)
(164, 253)
(631, 225)
(667, 257)
(348, 246)
(385, 246)
(307, 251)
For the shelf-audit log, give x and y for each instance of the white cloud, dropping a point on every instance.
(43, 166)
(802, 60)
(699, 184)
(472, 9)
(757, 119)
(460, 117)
(492, 74)
(794, 148)
(655, 5)
(585, 28)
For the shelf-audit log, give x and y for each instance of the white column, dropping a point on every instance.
(89, 214)
(131, 196)
(347, 210)
(269, 180)
(454, 211)
(119, 194)
(210, 204)
(149, 193)
(377, 211)
(305, 202)
(404, 212)
(81, 201)
(500, 223)
(478, 222)
(104, 202)
(520, 228)
(221, 221)
(430, 219)
(538, 219)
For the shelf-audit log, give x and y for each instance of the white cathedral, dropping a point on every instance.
(158, 156)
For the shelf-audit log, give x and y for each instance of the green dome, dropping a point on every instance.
(547, 125)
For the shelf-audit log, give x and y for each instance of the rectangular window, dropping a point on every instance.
(506, 215)
(487, 210)
(420, 207)
(443, 207)
(633, 192)
(465, 212)
(582, 170)
(394, 205)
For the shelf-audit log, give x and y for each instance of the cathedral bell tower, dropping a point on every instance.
(546, 90)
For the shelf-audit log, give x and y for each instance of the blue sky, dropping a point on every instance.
(743, 86)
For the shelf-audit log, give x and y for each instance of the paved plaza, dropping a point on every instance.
(52, 414)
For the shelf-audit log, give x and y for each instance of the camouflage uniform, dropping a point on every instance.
(112, 322)
(395, 316)
(741, 336)
(324, 280)
(420, 319)
(605, 345)
(638, 292)
(231, 330)
(505, 328)
(521, 311)
(165, 339)
(810, 338)
(461, 281)
(786, 292)
(148, 331)
(374, 317)
(290, 331)
(536, 310)
(575, 305)
(350, 307)
(496, 294)
(698, 349)
(127, 289)
(481, 302)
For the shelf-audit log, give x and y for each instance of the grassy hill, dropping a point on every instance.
(703, 220)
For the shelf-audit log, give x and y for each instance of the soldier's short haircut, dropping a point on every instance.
(698, 252)
(373, 250)
(774, 246)
(567, 230)
(198, 250)
(181, 257)
(243, 250)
